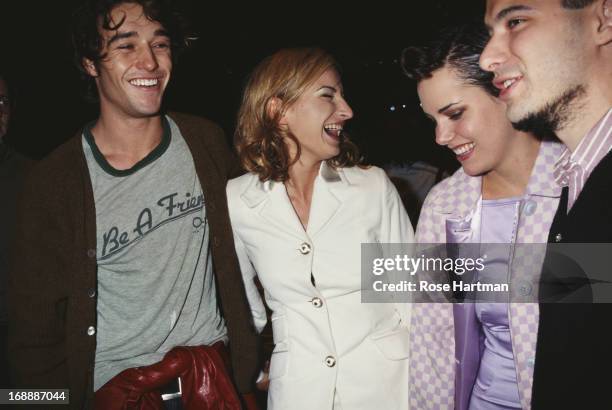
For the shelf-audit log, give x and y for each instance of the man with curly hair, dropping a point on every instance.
(126, 281)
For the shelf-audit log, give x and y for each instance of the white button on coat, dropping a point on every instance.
(305, 248)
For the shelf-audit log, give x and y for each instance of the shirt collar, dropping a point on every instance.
(329, 173)
(541, 181)
(589, 152)
(326, 172)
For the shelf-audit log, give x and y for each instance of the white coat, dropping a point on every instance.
(327, 341)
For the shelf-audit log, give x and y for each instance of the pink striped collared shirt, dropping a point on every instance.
(574, 168)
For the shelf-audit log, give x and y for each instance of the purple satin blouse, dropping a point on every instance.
(496, 385)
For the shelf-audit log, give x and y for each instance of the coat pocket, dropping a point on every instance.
(394, 345)
(280, 334)
(279, 362)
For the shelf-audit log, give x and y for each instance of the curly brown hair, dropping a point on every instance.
(259, 139)
(93, 15)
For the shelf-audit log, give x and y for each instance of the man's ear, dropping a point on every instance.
(273, 110)
(89, 67)
(604, 17)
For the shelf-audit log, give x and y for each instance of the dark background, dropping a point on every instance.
(35, 47)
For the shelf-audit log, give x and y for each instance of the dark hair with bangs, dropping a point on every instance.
(92, 15)
(459, 47)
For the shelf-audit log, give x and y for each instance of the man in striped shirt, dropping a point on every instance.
(552, 61)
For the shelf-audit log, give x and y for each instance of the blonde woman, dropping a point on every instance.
(299, 218)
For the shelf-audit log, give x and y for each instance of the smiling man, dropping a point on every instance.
(552, 61)
(125, 247)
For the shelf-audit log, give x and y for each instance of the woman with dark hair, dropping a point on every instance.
(478, 355)
(299, 218)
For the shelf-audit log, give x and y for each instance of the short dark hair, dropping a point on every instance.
(459, 47)
(575, 4)
(87, 39)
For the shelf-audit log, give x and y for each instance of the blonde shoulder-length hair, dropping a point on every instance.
(259, 139)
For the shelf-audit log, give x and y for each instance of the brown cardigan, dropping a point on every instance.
(52, 286)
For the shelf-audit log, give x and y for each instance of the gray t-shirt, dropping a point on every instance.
(156, 287)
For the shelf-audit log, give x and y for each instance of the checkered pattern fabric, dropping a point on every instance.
(432, 357)
(432, 362)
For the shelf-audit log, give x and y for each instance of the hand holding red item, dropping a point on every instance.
(204, 380)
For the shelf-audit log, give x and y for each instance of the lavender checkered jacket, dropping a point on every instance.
(433, 363)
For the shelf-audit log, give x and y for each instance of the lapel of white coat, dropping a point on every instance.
(274, 206)
(326, 199)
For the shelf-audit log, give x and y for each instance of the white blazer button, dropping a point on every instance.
(91, 330)
(330, 361)
(558, 237)
(305, 248)
(530, 362)
(316, 302)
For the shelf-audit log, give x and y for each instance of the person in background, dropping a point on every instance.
(299, 218)
(477, 356)
(413, 181)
